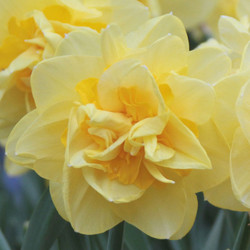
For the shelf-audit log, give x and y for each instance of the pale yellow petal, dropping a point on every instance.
(84, 42)
(21, 127)
(111, 190)
(155, 29)
(190, 214)
(240, 162)
(243, 8)
(193, 99)
(54, 80)
(165, 55)
(245, 63)
(88, 211)
(113, 44)
(165, 206)
(222, 196)
(56, 192)
(219, 154)
(227, 92)
(188, 151)
(128, 14)
(243, 110)
(208, 64)
(11, 113)
(233, 33)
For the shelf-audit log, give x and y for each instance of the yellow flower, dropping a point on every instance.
(231, 118)
(115, 127)
(31, 31)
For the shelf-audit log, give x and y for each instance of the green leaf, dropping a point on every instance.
(44, 227)
(214, 238)
(242, 241)
(3, 242)
(115, 238)
(135, 239)
(68, 239)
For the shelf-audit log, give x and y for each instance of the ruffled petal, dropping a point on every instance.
(111, 190)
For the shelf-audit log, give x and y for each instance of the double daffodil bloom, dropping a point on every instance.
(231, 117)
(116, 127)
(31, 31)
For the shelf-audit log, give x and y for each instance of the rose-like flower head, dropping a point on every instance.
(115, 132)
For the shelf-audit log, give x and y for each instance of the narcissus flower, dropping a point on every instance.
(115, 129)
(31, 31)
(231, 117)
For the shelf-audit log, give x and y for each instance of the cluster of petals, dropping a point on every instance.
(231, 116)
(120, 116)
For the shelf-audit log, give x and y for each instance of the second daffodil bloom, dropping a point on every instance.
(232, 116)
(116, 133)
(31, 31)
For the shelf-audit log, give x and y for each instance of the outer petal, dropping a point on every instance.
(222, 196)
(56, 192)
(10, 113)
(159, 212)
(192, 99)
(165, 55)
(240, 170)
(36, 136)
(13, 169)
(243, 110)
(155, 29)
(190, 214)
(227, 92)
(84, 42)
(113, 44)
(208, 64)
(233, 33)
(111, 190)
(245, 63)
(218, 152)
(54, 80)
(88, 211)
